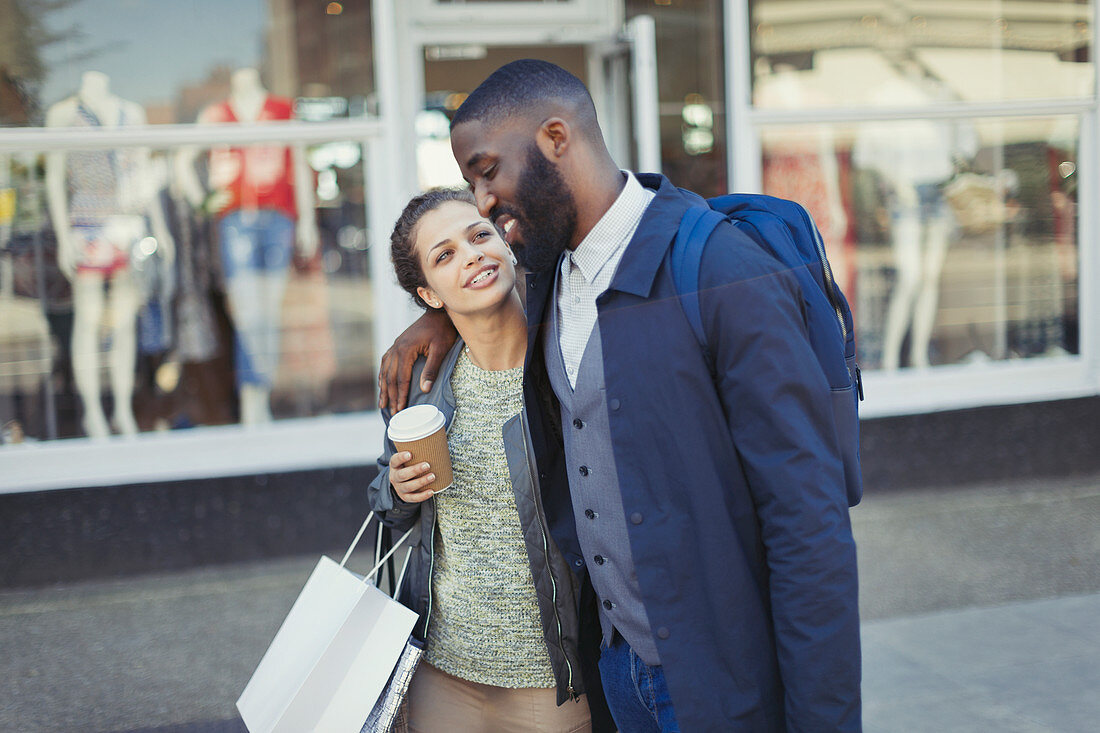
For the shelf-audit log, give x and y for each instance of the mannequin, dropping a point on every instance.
(915, 158)
(100, 202)
(263, 198)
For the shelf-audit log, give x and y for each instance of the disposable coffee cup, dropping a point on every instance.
(422, 431)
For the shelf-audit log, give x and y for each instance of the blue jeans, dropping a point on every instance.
(636, 693)
(256, 251)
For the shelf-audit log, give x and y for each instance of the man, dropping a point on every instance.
(707, 512)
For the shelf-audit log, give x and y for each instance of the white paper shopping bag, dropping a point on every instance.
(332, 656)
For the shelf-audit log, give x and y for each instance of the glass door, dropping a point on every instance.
(617, 62)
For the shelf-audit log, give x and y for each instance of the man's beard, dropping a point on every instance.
(545, 213)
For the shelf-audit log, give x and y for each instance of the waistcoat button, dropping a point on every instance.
(614, 404)
(636, 518)
(662, 633)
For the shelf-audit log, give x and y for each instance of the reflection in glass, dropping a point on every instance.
(161, 332)
(691, 84)
(954, 240)
(978, 51)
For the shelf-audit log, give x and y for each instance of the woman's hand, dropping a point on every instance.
(409, 482)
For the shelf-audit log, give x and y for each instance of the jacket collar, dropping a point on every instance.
(441, 394)
(645, 252)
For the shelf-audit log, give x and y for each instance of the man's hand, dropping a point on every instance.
(432, 335)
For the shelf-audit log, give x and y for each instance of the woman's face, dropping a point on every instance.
(467, 265)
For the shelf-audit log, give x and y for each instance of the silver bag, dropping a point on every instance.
(391, 712)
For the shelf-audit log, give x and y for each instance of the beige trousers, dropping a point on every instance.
(442, 703)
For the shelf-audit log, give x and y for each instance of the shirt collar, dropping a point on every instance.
(612, 232)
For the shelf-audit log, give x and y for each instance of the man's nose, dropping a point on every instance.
(485, 200)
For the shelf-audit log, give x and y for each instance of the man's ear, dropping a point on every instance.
(554, 137)
(428, 296)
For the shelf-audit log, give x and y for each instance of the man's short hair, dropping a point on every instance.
(518, 88)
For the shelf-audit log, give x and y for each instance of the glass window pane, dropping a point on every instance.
(172, 60)
(955, 241)
(211, 298)
(691, 85)
(812, 54)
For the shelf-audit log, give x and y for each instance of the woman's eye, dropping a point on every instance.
(482, 235)
(442, 255)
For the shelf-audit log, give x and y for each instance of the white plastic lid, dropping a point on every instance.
(414, 423)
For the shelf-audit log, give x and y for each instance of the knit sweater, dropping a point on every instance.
(485, 625)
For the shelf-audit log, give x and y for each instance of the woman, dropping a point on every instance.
(500, 656)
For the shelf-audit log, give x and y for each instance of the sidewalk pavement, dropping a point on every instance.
(980, 609)
(1030, 667)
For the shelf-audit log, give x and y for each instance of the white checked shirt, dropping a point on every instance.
(587, 271)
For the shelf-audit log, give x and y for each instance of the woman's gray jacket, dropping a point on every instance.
(554, 582)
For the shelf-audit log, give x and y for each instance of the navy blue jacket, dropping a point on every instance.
(733, 487)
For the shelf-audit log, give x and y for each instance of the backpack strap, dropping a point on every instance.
(685, 259)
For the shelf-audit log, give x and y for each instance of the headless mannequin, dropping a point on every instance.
(914, 158)
(97, 225)
(256, 272)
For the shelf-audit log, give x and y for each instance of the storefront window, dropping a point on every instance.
(175, 59)
(954, 232)
(954, 240)
(849, 55)
(162, 290)
(145, 290)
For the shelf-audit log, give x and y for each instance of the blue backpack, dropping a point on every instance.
(787, 231)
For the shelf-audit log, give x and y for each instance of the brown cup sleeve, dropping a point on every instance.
(432, 450)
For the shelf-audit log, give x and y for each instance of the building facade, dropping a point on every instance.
(196, 198)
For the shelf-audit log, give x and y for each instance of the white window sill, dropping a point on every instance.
(204, 452)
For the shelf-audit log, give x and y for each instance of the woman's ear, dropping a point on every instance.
(429, 297)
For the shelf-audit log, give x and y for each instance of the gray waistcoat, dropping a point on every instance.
(594, 486)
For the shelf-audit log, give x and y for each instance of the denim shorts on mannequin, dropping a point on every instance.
(256, 240)
(256, 248)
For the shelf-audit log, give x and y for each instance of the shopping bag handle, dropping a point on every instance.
(382, 561)
(396, 585)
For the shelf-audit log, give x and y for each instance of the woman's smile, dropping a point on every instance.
(484, 277)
